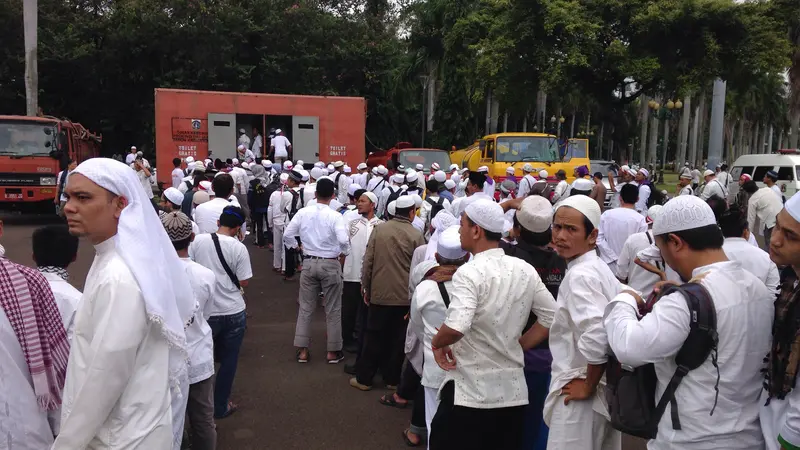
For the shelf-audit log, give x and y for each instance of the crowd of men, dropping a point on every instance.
(490, 307)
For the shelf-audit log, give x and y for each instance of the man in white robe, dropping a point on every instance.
(127, 367)
(575, 408)
(780, 399)
(690, 241)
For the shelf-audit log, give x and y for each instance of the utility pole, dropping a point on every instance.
(30, 25)
(717, 120)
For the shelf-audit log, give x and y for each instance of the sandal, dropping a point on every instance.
(409, 443)
(389, 400)
(232, 408)
(301, 359)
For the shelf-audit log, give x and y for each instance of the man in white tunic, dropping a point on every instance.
(127, 365)
(527, 181)
(718, 403)
(617, 224)
(752, 258)
(713, 187)
(340, 181)
(762, 209)
(481, 339)
(575, 409)
(780, 399)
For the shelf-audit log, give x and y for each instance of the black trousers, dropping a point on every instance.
(461, 428)
(258, 227)
(384, 341)
(351, 298)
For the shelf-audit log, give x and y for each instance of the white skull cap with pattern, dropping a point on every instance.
(347, 169)
(404, 201)
(173, 195)
(453, 167)
(487, 215)
(383, 170)
(535, 214)
(653, 212)
(510, 169)
(684, 212)
(483, 169)
(582, 184)
(398, 178)
(361, 166)
(411, 175)
(189, 160)
(440, 176)
(417, 200)
(449, 244)
(287, 165)
(371, 196)
(793, 207)
(585, 205)
(338, 164)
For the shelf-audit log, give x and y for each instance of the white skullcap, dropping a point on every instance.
(319, 164)
(582, 184)
(383, 170)
(687, 176)
(351, 190)
(397, 178)
(235, 161)
(417, 200)
(200, 197)
(483, 169)
(391, 208)
(133, 147)
(330, 168)
(631, 172)
(684, 212)
(347, 169)
(361, 166)
(449, 244)
(207, 161)
(419, 167)
(510, 170)
(543, 174)
(708, 172)
(585, 205)
(653, 212)
(488, 215)
(412, 175)
(189, 160)
(284, 177)
(139, 153)
(278, 131)
(318, 172)
(624, 168)
(404, 201)
(375, 170)
(465, 169)
(401, 168)
(338, 164)
(304, 174)
(371, 196)
(246, 165)
(198, 165)
(453, 167)
(793, 207)
(535, 214)
(287, 165)
(240, 147)
(527, 168)
(266, 163)
(449, 184)
(440, 176)
(173, 195)
(644, 172)
(300, 163)
(205, 185)
(435, 166)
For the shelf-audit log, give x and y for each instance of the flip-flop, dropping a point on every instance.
(301, 360)
(388, 400)
(408, 441)
(232, 408)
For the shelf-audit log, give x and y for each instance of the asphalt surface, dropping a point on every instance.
(283, 404)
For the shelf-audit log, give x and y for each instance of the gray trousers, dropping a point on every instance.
(200, 409)
(320, 275)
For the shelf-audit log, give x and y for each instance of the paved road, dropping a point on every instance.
(283, 405)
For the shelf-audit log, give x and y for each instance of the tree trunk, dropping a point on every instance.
(600, 141)
(738, 149)
(666, 145)
(643, 133)
(572, 126)
(525, 120)
(488, 111)
(695, 132)
(795, 129)
(30, 17)
(653, 144)
(505, 122)
(683, 139)
(701, 148)
(769, 139)
(780, 139)
(757, 142)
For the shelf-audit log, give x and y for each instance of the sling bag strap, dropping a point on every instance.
(61, 183)
(443, 291)
(225, 265)
(650, 240)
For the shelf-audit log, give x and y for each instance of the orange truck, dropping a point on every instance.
(403, 153)
(194, 123)
(32, 152)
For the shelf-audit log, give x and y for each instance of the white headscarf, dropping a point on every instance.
(145, 247)
(441, 222)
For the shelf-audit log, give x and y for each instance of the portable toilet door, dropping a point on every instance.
(305, 138)
(222, 135)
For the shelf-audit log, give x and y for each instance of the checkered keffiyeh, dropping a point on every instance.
(33, 313)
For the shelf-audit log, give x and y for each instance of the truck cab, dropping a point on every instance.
(403, 153)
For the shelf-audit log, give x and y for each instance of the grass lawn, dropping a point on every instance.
(671, 179)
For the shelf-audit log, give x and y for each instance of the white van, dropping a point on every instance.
(786, 163)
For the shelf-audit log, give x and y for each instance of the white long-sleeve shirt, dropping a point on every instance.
(616, 225)
(641, 203)
(68, 299)
(359, 231)
(427, 315)
(493, 289)
(714, 187)
(631, 273)
(525, 185)
(753, 260)
(762, 209)
(615, 203)
(321, 229)
(383, 199)
(427, 208)
(117, 392)
(577, 336)
(276, 211)
(561, 191)
(343, 184)
(744, 322)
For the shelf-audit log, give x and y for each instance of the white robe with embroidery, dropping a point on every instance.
(117, 392)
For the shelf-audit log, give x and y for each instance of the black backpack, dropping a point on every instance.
(631, 392)
(656, 197)
(394, 195)
(436, 206)
(297, 197)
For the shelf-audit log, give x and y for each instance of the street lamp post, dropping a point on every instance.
(666, 114)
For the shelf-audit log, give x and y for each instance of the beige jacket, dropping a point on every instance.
(384, 274)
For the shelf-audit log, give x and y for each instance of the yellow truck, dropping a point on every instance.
(543, 151)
